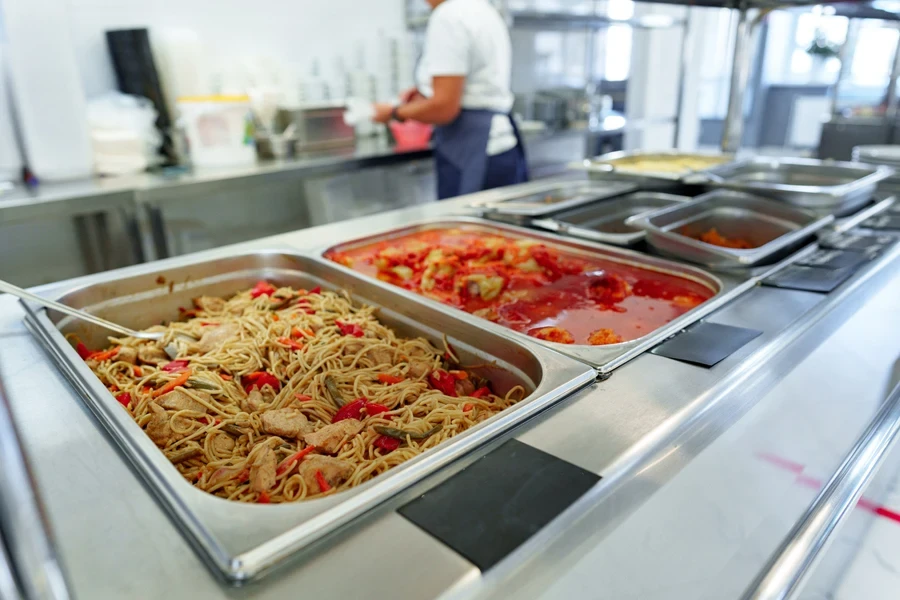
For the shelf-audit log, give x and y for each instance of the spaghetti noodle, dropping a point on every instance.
(279, 395)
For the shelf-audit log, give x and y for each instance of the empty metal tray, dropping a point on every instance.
(605, 221)
(828, 187)
(544, 198)
(773, 228)
(242, 541)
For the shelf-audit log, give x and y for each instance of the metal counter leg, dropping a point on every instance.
(135, 237)
(158, 231)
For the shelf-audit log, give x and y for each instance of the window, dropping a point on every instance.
(617, 49)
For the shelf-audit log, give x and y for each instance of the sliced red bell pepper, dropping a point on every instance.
(182, 379)
(351, 410)
(350, 329)
(243, 476)
(262, 288)
(175, 366)
(481, 392)
(388, 444)
(459, 374)
(302, 397)
(323, 485)
(105, 355)
(208, 324)
(138, 372)
(468, 406)
(124, 399)
(389, 379)
(258, 380)
(373, 408)
(297, 332)
(291, 344)
(225, 376)
(309, 311)
(443, 381)
(263, 498)
(316, 290)
(290, 460)
(83, 351)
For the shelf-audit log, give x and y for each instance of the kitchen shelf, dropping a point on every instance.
(554, 20)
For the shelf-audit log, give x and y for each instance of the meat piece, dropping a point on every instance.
(158, 426)
(262, 471)
(217, 336)
(604, 336)
(222, 444)
(608, 289)
(352, 348)
(254, 402)
(330, 437)
(210, 304)
(178, 399)
(552, 334)
(381, 356)
(418, 369)
(127, 354)
(334, 470)
(152, 355)
(464, 387)
(286, 422)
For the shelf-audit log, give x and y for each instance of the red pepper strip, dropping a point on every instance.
(309, 311)
(351, 410)
(297, 332)
(182, 379)
(388, 444)
(208, 324)
(468, 406)
(302, 397)
(459, 374)
(243, 476)
(291, 344)
(175, 366)
(275, 317)
(263, 498)
(189, 314)
(226, 376)
(124, 399)
(373, 408)
(323, 485)
(389, 379)
(316, 290)
(443, 381)
(138, 372)
(83, 351)
(480, 392)
(350, 329)
(262, 288)
(259, 379)
(107, 355)
(290, 460)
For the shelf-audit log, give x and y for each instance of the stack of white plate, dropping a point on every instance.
(881, 155)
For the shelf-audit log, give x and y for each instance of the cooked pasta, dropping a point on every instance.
(279, 395)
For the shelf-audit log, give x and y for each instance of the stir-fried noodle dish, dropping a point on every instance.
(277, 395)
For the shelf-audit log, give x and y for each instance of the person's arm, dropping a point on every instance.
(442, 108)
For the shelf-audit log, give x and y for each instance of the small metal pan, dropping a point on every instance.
(546, 198)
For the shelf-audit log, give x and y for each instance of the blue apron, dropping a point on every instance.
(461, 160)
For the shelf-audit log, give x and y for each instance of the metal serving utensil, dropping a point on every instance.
(78, 314)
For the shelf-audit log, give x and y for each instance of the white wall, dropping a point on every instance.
(296, 32)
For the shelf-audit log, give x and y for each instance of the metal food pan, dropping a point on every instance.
(604, 358)
(606, 221)
(242, 541)
(776, 229)
(625, 165)
(542, 198)
(828, 187)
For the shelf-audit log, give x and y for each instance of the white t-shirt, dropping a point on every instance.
(470, 38)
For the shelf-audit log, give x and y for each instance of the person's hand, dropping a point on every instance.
(409, 95)
(383, 111)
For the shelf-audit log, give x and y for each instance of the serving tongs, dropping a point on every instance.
(79, 314)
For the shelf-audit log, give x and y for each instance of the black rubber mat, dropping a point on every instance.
(706, 344)
(830, 258)
(808, 279)
(491, 507)
(888, 222)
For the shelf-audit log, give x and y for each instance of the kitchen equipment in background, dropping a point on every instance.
(124, 134)
(549, 109)
(770, 230)
(219, 130)
(841, 134)
(319, 127)
(827, 187)
(136, 75)
(10, 153)
(651, 170)
(46, 89)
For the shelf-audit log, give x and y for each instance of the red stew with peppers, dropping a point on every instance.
(528, 286)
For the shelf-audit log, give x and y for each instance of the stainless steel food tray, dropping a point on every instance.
(605, 221)
(604, 358)
(828, 187)
(778, 228)
(242, 541)
(616, 166)
(542, 198)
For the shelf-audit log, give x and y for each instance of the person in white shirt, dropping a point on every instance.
(463, 88)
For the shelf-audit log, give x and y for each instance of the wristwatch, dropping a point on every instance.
(395, 116)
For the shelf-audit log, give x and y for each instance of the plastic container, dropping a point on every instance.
(219, 130)
(410, 135)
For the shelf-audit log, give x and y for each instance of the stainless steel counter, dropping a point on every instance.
(694, 496)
